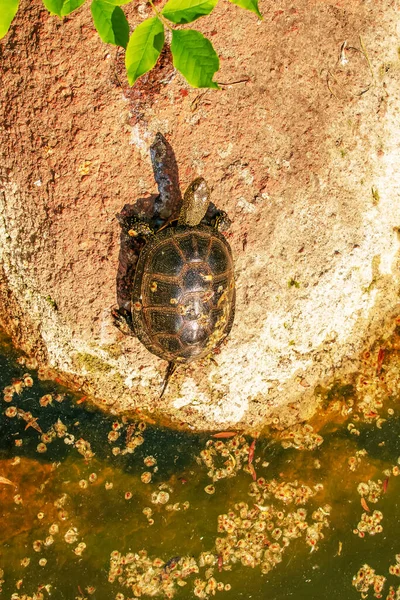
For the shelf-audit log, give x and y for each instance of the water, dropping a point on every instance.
(72, 520)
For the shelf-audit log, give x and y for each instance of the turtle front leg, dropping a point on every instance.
(140, 228)
(221, 221)
(134, 226)
(217, 218)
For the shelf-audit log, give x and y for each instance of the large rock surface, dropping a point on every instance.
(301, 149)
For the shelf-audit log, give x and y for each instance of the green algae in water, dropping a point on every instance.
(106, 508)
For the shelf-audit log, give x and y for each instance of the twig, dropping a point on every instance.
(245, 80)
(196, 101)
(159, 15)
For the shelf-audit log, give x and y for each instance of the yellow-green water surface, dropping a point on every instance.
(102, 507)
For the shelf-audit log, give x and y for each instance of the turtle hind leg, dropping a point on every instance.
(168, 374)
(122, 320)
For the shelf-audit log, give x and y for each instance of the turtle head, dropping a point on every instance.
(195, 203)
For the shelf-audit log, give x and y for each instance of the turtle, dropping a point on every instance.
(183, 292)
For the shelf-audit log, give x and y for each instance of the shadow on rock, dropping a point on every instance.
(155, 210)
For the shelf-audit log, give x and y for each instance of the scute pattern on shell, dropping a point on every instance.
(184, 293)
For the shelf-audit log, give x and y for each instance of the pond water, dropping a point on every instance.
(103, 507)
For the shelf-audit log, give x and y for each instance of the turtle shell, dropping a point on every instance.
(183, 299)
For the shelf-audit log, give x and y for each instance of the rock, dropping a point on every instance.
(302, 153)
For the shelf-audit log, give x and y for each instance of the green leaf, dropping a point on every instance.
(248, 5)
(62, 7)
(194, 56)
(110, 22)
(186, 11)
(144, 48)
(8, 9)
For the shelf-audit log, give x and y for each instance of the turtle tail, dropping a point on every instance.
(169, 372)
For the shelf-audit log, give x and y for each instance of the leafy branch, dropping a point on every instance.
(192, 53)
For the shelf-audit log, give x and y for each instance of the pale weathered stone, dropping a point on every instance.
(302, 153)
